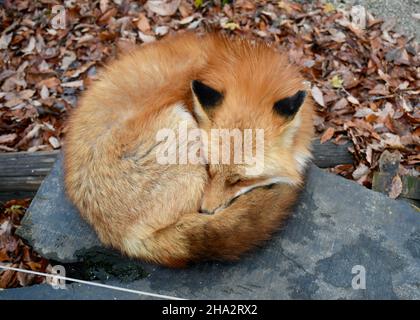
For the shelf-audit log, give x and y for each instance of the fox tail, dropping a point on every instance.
(225, 235)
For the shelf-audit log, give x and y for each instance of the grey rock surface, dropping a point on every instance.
(50, 222)
(399, 10)
(336, 226)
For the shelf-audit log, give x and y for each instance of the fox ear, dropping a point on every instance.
(289, 106)
(206, 98)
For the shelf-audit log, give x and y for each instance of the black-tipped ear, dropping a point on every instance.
(289, 106)
(207, 96)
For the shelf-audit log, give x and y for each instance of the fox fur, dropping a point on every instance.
(154, 212)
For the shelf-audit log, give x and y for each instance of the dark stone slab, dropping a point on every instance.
(336, 225)
(52, 225)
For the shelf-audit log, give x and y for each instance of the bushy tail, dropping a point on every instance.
(225, 235)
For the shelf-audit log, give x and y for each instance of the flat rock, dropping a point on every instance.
(337, 226)
(52, 225)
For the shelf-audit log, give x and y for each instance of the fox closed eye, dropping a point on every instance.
(241, 181)
(235, 180)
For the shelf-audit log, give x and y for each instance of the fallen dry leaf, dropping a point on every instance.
(328, 134)
(103, 5)
(13, 251)
(353, 100)
(146, 38)
(73, 84)
(360, 171)
(396, 187)
(318, 96)
(163, 7)
(7, 138)
(143, 23)
(54, 142)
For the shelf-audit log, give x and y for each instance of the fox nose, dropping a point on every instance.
(205, 211)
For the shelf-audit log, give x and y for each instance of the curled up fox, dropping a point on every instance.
(174, 213)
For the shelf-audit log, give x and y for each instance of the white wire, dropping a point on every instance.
(91, 283)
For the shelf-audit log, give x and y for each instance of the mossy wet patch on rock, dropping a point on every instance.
(373, 257)
(413, 244)
(99, 264)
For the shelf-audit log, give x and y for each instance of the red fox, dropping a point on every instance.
(173, 214)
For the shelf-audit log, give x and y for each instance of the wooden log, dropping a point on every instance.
(388, 170)
(328, 154)
(410, 185)
(24, 171)
(21, 173)
(28, 183)
(6, 196)
(24, 164)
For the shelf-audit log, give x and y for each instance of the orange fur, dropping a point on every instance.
(150, 211)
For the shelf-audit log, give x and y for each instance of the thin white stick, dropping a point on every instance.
(91, 283)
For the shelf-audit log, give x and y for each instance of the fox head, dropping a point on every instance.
(255, 102)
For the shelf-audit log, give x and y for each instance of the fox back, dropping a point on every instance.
(151, 210)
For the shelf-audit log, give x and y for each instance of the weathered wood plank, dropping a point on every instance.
(388, 170)
(329, 155)
(410, 185)
(29, 183)
(22, 164)
(6, 196)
